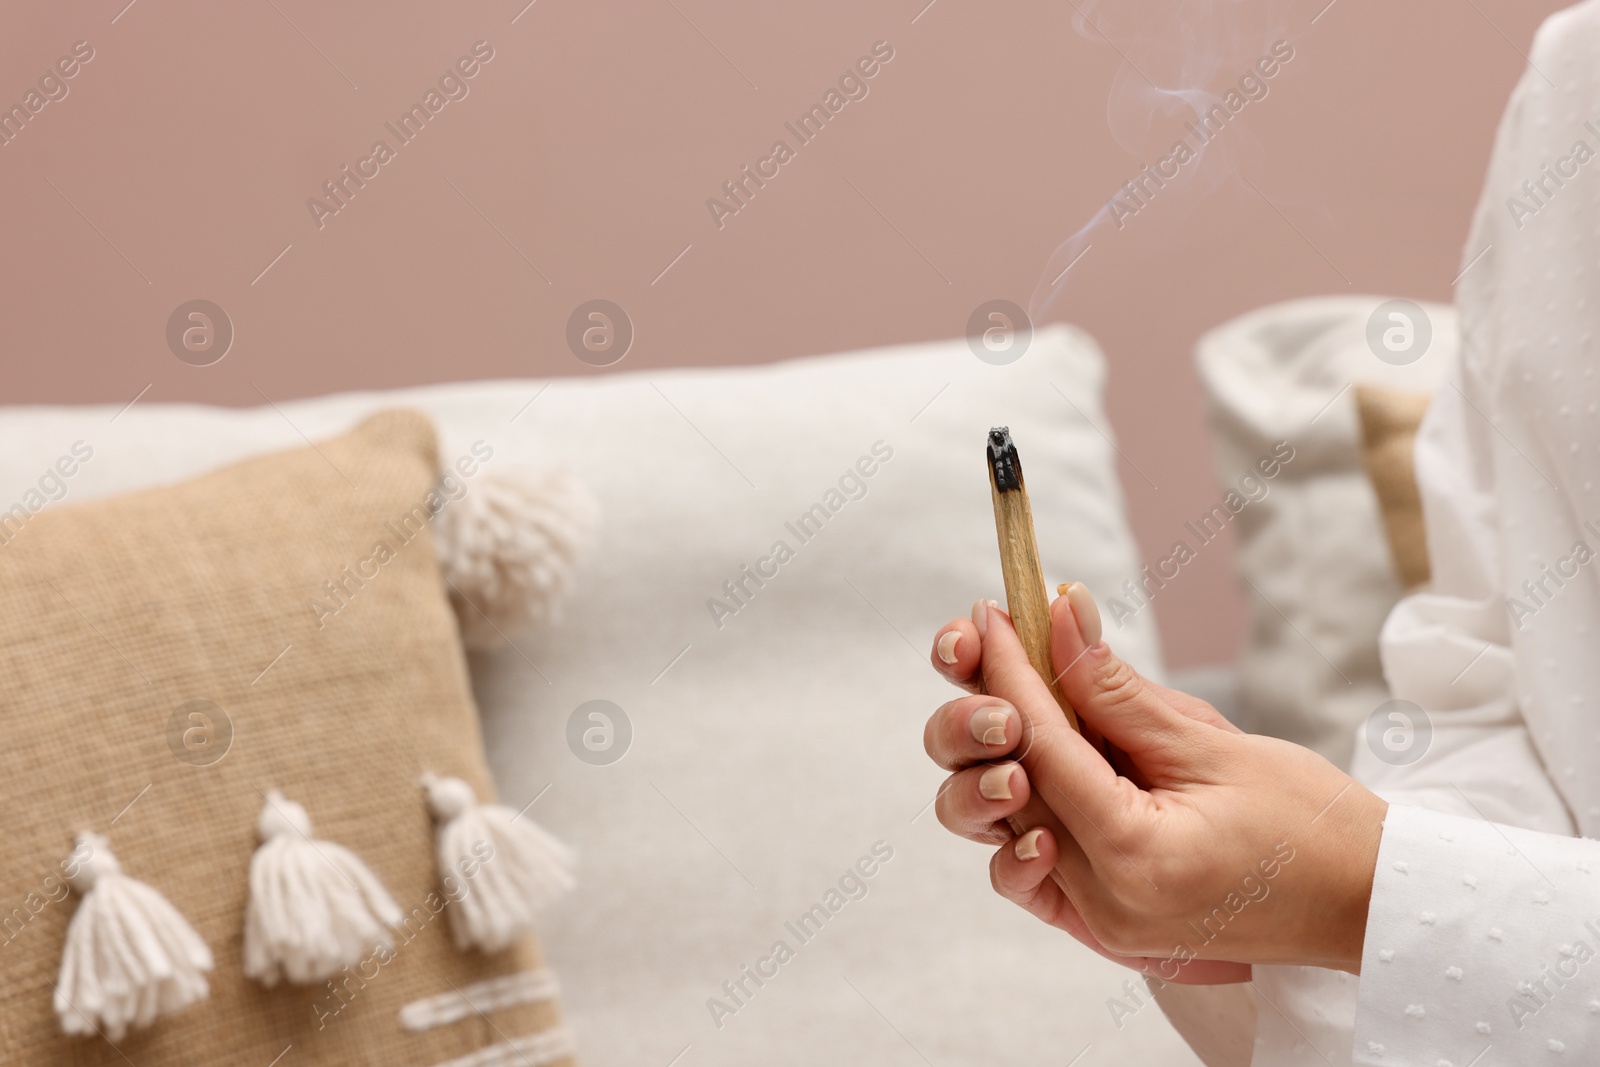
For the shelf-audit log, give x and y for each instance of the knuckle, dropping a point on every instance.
(941, 736)
(1140, 890)
(1116, 683)
(996, 879)
(1137, 893)
(1128, 834)
(1117, 930)
(953, 739)
(959, 710)
(959, 807)
(930, 736)
(1166, 869)
(1122, 883)
(1003, 874)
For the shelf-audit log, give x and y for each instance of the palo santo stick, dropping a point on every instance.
(1026, 599)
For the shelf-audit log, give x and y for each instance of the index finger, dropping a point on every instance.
(1059, 760)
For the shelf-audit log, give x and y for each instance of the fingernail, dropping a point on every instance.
(980, 616)
(989, 724)
(1028, 844)
(995, 783)
(1085, 611)
(947, 646)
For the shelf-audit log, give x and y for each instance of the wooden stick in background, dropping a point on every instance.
(1027, 600)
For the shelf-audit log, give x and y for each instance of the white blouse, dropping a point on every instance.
(1483, 938)
(1485, 920)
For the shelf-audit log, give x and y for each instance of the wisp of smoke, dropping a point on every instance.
(1178, 59)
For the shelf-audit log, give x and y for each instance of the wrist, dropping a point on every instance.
(1359, 831)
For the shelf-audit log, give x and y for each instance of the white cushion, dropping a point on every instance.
(769, 754)
(1313, 552)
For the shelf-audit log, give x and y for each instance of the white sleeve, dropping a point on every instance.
(1485, 908)
(1481, 940)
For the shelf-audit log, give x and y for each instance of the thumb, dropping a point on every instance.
(1060, 762)
(1108, 694)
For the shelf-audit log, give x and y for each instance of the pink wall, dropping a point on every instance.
(180, 162)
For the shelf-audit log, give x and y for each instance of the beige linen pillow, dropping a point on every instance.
(119, 614)
(1390, 419)
(735, 733)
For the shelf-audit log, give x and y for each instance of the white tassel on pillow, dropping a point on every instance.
(314, 907)
(509, 867)
(129, 955)
(508, 549)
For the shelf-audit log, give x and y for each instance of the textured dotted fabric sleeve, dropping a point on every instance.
(1485, 913)
(1481, 942)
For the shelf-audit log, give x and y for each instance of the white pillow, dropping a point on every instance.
(770, 754)
(1312, 552)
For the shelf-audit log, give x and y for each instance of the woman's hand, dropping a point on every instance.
(980, 797)
(1212, 846)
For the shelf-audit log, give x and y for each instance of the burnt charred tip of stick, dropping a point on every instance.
(1003, 461)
